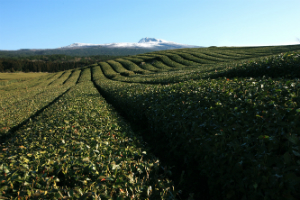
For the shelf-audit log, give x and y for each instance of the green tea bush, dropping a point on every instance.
(160, 65)
(166, 60)
(241, 133)
(97, 73)
(149, 67)
(80, 148)
(282, 65)
(179, 59)
(85, 75)
(131, 66)
(118, 67)
(108, 70)
(191, 56)
(61, 79)
(134, 59)
(73, 78)
(229, 126)
(15, 110)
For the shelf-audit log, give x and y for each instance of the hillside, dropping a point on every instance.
(201, 123)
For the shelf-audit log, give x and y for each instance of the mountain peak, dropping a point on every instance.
(146, 39)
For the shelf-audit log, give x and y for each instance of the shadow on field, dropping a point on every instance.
(190, 182)
(11, 132)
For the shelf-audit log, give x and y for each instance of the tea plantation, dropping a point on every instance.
(208, 123)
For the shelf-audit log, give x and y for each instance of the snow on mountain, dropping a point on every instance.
(146, 39)
(151, 43)
(80, 45)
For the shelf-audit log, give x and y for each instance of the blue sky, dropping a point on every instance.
(56, 23)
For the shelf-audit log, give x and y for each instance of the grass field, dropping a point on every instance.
(8, 78)
(21, 75)
(208, 123)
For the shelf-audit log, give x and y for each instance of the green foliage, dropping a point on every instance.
(196, 57)
(131, 66)
(20, 103)
(179, 59)
(143, 62)
(80, 147)
(108, 70)
(160, 65)
(85, 75)
(240, 132)
(230, 125)
(166, 60)
(116, 66)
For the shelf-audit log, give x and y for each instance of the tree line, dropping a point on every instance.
(49, 63)
(82, 52)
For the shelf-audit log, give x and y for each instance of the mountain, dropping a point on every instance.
(113, 49)
(146, 39)
(144, 43)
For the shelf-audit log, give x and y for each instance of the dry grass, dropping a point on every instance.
(21, 75)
